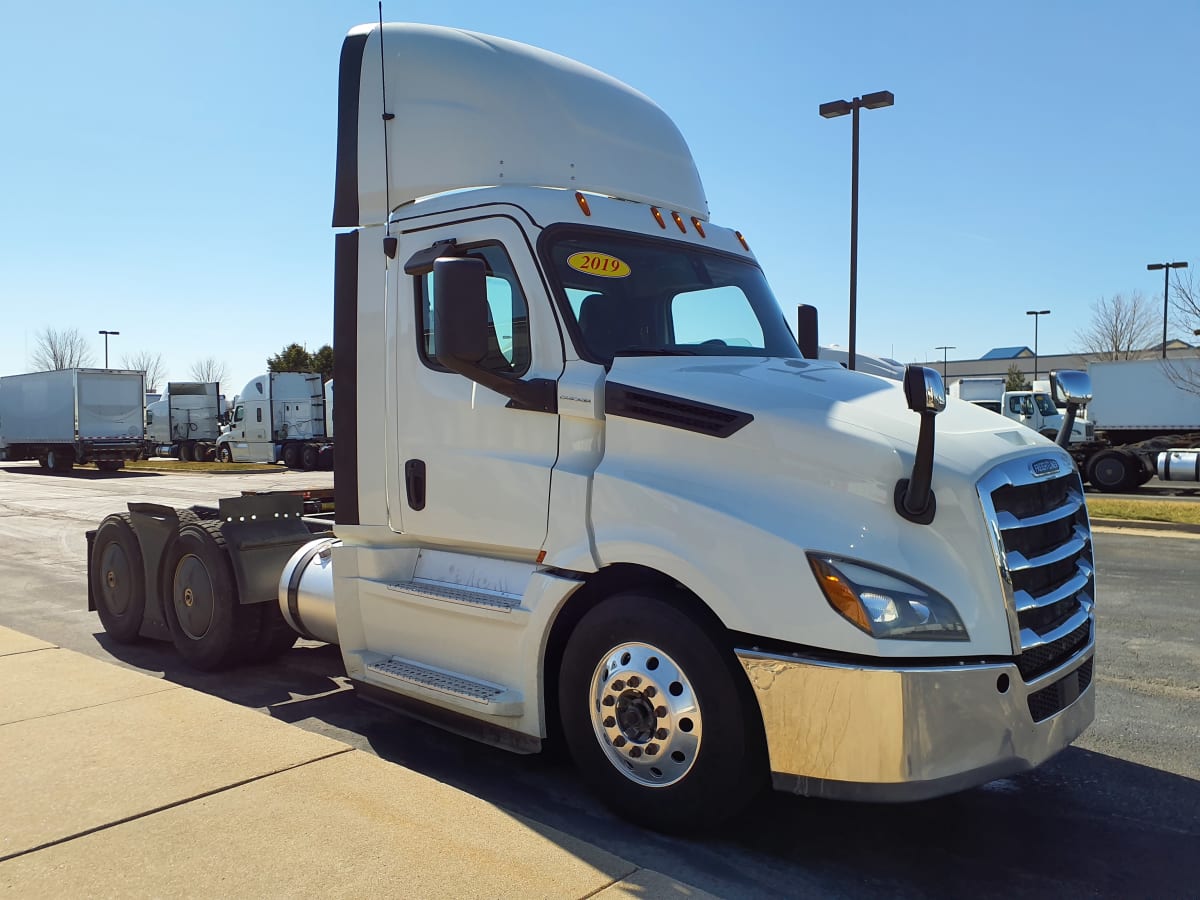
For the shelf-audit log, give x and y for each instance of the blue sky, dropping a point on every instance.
(168, 167)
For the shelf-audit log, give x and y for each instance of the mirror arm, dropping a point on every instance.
(914, 497)
(1064, 431)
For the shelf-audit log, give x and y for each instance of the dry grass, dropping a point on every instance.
(183, 468)
(1144, 510)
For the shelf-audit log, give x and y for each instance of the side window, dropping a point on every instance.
(508, 315)
(720, 314)
(239, 414)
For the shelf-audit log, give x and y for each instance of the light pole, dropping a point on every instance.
(832, 110)
(1166, 267)
(945, 376)
(106, 334)
(1036, 313)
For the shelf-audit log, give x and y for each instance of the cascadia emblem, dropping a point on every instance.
(1044, 467)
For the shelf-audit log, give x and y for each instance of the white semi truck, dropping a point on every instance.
(589, 488)
(68, 416)
(1035, 409)
(279, 417)
(186, 421)
(1147, 422)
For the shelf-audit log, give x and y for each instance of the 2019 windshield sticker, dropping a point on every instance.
(599, 264)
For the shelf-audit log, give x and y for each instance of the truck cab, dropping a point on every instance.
(586, 475)
(590, 489)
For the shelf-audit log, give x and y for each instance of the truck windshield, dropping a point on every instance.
(1045, 405)
(634, 296)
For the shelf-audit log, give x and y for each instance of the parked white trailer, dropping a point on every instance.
(70, 416)
(186, 421)
(279, 417)
(589, 485)
(1147, 422)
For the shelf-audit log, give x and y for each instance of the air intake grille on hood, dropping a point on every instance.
(675, 412)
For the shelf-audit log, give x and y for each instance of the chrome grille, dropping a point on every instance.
(1042, 540)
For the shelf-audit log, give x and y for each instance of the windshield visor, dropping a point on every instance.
(634, 296)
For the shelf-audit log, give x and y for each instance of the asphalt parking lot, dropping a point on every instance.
(1116, 815)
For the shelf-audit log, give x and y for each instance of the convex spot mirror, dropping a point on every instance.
(1070, 387)
(924, 390)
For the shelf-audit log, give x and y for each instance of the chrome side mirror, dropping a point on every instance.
(1071, 387)
(1075, 389)
(926, 396)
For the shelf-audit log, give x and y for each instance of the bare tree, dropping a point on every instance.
(1185, 301)
(64, 348)
(150, 363)
(209, 369)
(1122, 327)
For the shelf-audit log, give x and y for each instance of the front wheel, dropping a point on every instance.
(224, 454)
(658, 715)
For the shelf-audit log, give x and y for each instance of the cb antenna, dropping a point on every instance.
(389, 242)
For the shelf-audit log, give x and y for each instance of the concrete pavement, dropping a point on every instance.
(118, 784)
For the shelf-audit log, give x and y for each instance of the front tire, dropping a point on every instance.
(210, 628)
(658, 715)
(118, 579)
(224, 454)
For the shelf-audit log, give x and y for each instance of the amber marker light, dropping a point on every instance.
(698, 225)
(742, 241)
(658, 217)
(583, 204)
(839, 594)
(679, 221)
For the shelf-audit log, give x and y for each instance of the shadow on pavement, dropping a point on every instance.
(79, 474)
(1084, 824)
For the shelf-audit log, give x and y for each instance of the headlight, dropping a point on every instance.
(884, 604)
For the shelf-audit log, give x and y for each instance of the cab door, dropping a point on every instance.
(469, 468)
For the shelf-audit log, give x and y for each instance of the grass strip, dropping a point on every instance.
(185, 468)
(1144, 510)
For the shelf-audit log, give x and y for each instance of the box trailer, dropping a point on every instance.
(70, 416)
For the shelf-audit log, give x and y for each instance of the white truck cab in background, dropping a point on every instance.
(279, 417)
(1032, 408)
(588, 485)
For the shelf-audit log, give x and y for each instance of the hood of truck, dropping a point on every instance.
(798, 403)
(814, 469)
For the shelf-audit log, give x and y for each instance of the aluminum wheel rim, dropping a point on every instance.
(645, 715)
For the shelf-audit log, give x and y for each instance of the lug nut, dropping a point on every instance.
(661, 734)
(618, 685)
(651, 749)
(650, 691)
(661, 712)
(608, 700)
(635, 752)
(610, 722)
(634, 681)
(619, 741)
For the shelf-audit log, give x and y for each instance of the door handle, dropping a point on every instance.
(414, 482)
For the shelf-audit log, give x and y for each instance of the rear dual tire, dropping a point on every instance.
(118, 579)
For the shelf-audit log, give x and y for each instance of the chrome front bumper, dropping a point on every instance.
(876, 734)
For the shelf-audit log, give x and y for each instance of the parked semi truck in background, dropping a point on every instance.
(1033, 408)
(1147, 422)
(185, 422)
(279, 417)
(588, 484)
(70, 416)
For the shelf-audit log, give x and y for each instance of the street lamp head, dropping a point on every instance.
(835, 108)
(878, 100)
(1037, 312)
(1179, 265)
